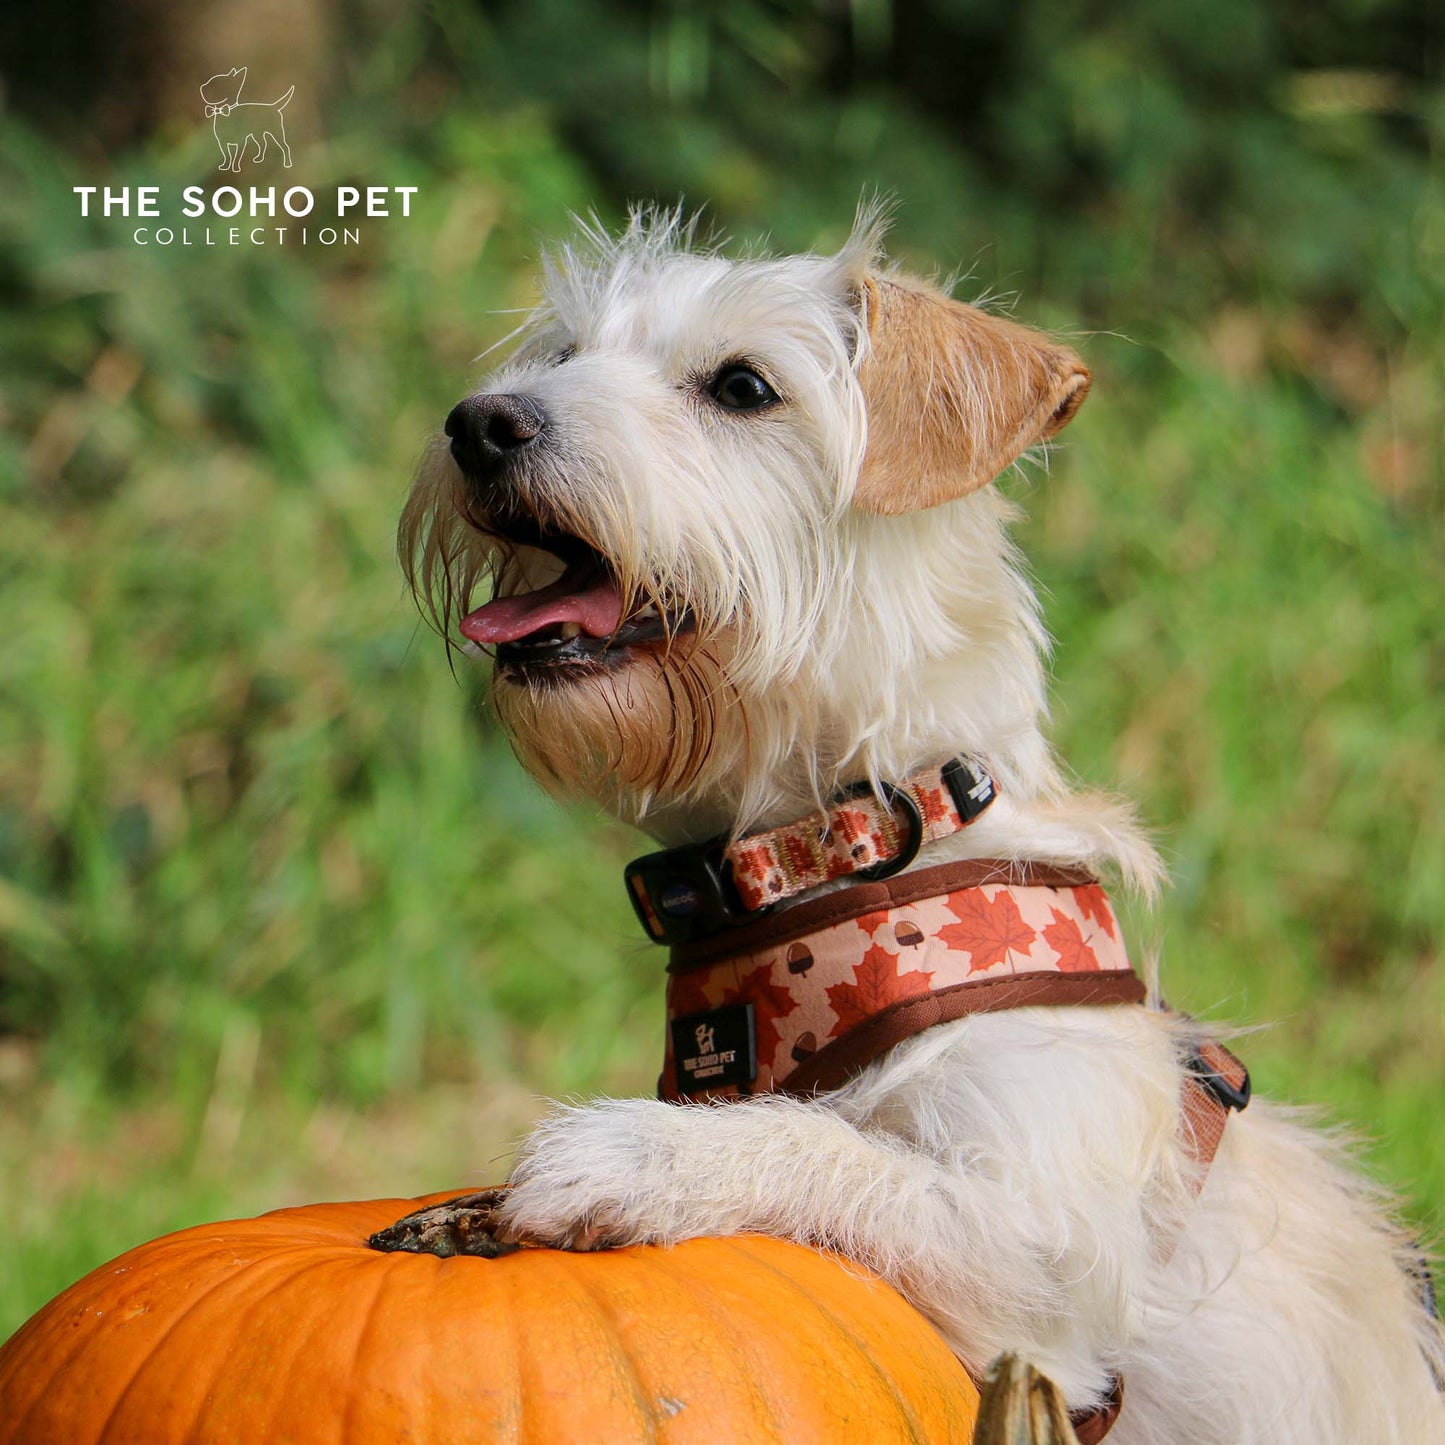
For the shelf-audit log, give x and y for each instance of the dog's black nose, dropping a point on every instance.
(488, 428)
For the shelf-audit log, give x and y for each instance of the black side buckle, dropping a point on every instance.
(683, 893)
(1229, 1095)
(971, 792)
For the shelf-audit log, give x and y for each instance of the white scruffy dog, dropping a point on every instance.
(740, 520)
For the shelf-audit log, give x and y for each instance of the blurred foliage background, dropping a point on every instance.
(280, 917)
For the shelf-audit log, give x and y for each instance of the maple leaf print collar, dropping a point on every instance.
(801, 999)
(682, 894)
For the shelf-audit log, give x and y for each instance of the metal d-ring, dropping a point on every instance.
(898, 798)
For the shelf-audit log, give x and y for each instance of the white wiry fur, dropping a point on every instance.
(1019, 1176)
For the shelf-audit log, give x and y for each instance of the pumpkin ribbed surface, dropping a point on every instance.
(287, 1329)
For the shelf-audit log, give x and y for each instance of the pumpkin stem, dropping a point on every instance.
(1019, 1406)
(464, 1225)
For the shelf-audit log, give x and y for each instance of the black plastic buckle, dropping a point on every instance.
(683, 893)
(1228, 1095)
(971, 792)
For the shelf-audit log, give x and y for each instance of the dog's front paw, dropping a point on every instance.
(464, 1225)
(605, 1175)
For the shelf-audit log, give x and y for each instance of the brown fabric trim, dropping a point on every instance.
(835, 1062)
(1204, 1116)
(1092, 1426)
(854, 901)
(1203, 1124)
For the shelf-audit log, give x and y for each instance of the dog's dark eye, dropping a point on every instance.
(740, 389)
(565, 355)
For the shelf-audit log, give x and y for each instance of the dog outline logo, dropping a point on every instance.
(238, 123)
(704, 1035)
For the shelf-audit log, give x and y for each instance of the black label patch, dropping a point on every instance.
(715, 1048)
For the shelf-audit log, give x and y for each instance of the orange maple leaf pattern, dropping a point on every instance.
(1067, 939)
(877, 983)
(687, 993)
(1094, 905)
(756, 874)
(771, 1003)
(988, 929)
(934, 804)
(810, 991)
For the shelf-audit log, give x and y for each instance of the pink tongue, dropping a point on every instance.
(584, 594)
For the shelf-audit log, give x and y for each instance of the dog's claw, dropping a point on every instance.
(1019, 1406)
(467, 1224)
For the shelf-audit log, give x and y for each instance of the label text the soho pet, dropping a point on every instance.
(145, 201)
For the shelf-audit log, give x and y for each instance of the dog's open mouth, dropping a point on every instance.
(580, 620)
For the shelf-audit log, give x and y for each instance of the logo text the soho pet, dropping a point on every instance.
(256, 202)
(245, 132)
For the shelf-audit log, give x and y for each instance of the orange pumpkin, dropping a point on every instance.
(288, 1330)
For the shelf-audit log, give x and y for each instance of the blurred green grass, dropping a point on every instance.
(279, 915)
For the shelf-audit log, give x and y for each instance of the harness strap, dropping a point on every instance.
(1217, 1085)
(835, 1063)
(1090, 1426)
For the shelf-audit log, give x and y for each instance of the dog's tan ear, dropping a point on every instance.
(954, 395)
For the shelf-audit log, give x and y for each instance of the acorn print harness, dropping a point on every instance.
(825, 987)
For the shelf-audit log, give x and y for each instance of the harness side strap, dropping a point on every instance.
(1090, 1426)
(1216, 1085)
(839, 1060)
